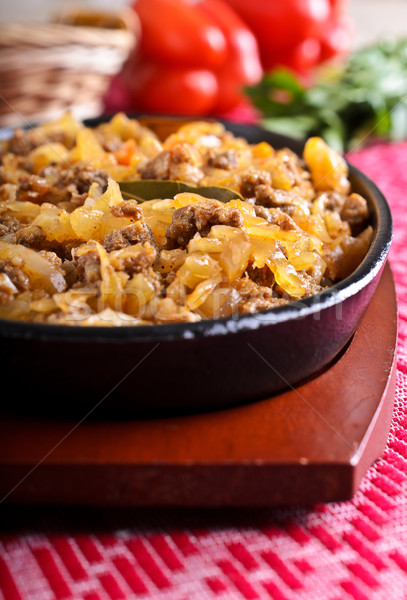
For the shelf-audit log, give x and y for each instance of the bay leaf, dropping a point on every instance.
(152, 189)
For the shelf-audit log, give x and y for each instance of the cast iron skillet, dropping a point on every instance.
(162, 370)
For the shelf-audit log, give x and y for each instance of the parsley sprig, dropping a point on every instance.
(347, 105)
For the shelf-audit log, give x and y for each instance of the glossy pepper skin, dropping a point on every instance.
(194, 58)
(299, 34)
(242, 66)
(175, 32)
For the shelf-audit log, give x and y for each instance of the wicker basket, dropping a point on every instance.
(46, 69)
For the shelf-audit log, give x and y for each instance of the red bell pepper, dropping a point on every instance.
(242, 66)
(175, 32)
(193, 58)
(297, 33)
(196, 56)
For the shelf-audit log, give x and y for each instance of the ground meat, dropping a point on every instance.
(142, 262)
(256, 297)
(355, 212)
(88, 267)
(59, 187)
(35, 189)
(283, 220)
(32, 237)
(136, 263)
(263, 276)
(223, 160)
(276, 216)
(50, 172)
(81, 178)
(182, 153)
(135, 233)
(16, 275)
(276, 198)
(251, 180)
(8, 224)
(264, 195)
(23, 142)
(267, 196)
(156, 168)
(186, 221)
(332, 201)
(112, 144)
(178, 163)
(59, 137)
(129, 208)
(15, 169)
(263, 213)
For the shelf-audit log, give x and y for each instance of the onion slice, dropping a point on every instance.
(41, 272)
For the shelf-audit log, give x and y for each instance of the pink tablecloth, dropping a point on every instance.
(353, 549)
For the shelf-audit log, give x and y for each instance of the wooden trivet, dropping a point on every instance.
(307, 445)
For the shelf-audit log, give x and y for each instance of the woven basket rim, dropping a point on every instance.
(61, 33)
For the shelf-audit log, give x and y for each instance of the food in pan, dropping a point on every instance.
(92, 233)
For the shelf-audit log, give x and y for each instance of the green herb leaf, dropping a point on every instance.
(296, 126)
(364, 97)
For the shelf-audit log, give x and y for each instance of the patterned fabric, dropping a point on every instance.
(354, 549)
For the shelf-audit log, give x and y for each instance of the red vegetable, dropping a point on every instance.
(196, 56)
(301, 57)
(193, 58)
(297, 33)
(242, 66)
(170, 89)
(174, 32)
(282, 24)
